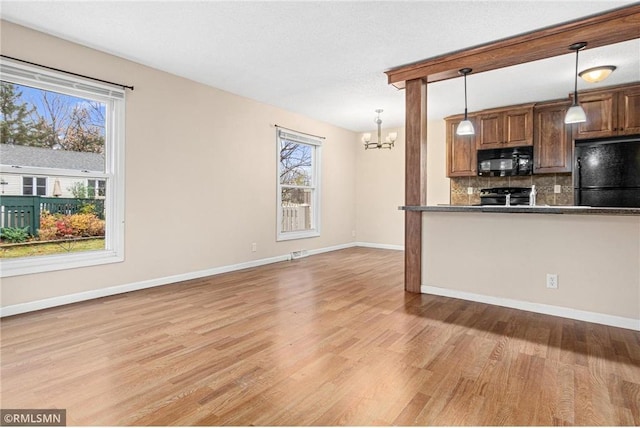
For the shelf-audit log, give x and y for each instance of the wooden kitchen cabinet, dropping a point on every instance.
(629, 111)
(505, 127)
(461, 149)
(552, 140)
(610, 112)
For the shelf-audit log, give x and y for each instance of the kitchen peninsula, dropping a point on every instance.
(502, 255)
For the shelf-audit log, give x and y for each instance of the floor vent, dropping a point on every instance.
(299, 254)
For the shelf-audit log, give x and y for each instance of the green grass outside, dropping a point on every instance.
(62, 247)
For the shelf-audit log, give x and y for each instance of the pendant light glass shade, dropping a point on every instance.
(465, 127)
(576, 114)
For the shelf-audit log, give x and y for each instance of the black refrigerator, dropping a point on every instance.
(607, 172)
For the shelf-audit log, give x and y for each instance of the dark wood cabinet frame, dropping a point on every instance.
(615, 26)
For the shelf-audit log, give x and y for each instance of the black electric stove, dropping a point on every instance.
(498, 195)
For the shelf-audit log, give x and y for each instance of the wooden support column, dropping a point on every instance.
(415, 182)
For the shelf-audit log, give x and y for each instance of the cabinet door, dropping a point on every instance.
(552, 140)
(490, 130)
(461, 152)
(601, 110)
(629, 111)
(518, 127)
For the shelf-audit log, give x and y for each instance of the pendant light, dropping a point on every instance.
(465, 127)
(576, 114)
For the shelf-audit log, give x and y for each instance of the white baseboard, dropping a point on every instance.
(381, 246)
(559, 311)
(125, 288)
(333, 248)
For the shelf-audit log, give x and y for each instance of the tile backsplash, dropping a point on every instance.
(544, 187)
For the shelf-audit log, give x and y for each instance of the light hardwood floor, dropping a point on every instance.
(331, 339)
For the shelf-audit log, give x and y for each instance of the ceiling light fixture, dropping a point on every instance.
(576, 113)
(597, 74)
(465, 127)
(388, 141)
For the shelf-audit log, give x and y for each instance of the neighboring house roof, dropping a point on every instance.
(46, 158)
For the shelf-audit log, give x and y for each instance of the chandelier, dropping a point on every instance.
(388, 141)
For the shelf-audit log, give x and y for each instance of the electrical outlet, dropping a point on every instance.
(469, 190)
(353, 233)
(552, 280)
(254, 247)
(557, 188)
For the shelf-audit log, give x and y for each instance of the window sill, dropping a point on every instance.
(31, 265)
(287, 236)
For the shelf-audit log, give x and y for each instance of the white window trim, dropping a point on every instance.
(114, 100)
(316, 202)
(34, 189)
(96, 188)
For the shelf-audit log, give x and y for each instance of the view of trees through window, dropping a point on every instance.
(38, 118)
(49, 144)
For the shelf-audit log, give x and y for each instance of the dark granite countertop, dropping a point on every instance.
(525, 209)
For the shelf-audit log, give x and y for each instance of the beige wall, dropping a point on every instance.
(437, 180)
(380, 191)
(597, 258)
(200, 175)
(380, 185)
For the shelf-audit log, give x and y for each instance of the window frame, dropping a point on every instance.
(96, 189)
(34, 185)
(114, 99)
(316, 144)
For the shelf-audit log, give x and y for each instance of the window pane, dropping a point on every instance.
(296, 209)
(41, 128)
(41, 186)
(27, 186)
(46, 129)
(91, 188)
(296, 163)
(102, 188)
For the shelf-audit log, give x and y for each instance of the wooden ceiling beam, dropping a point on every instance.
(616, 26)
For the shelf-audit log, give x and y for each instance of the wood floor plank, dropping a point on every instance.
(331, 339)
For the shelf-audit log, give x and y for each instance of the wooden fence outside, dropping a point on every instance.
(296, 217)
(23, 211)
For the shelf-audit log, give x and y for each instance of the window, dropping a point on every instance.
(29, 189)
(96, 189)
(61, 138)
(298, 185)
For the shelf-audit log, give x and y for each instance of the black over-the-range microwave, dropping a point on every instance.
(506, 161)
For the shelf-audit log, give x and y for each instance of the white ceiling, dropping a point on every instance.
(326, 59)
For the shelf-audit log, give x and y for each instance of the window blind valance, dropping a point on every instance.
(26, 75)
(299, 137)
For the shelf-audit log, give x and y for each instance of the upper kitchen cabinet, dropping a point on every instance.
(505, 127)
(629, 110)
(552, 140)
(610, 112)
(461, 149)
